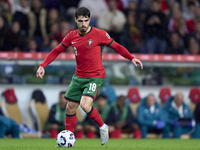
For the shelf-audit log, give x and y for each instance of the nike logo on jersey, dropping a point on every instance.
(73, 42)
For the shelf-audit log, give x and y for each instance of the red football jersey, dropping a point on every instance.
(88, 50)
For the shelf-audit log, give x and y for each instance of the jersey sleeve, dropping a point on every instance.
(105, 38)
(66, 42)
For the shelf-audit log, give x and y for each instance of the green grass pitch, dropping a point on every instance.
(94, 144)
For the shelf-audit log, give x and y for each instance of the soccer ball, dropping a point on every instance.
(66, 139)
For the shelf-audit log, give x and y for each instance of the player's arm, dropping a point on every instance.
(50, 57)
(124, 52)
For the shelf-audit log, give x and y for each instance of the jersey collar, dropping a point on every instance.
(86, 33)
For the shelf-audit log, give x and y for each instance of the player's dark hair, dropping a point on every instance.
(82, 11)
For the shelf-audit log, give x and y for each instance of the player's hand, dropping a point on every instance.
(135, 61)
(40, 72)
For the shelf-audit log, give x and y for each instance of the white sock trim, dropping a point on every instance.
(103, 126)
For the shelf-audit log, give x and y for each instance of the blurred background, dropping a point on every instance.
(163, 34)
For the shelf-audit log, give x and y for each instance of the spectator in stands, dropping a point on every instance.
(132, 35)
(20, 15)
(175, 44)
(14, 40)
(53, 18)
(7, 15)
(70, 4)
(182, 30)
(189, 10)
(56, 120)
(145, 5)
(149, 116)
(197, 15)
(132, 8)
(178, 117)
(121, 116)
(32, 46)
(104, 110)
(52, 35)
(64, 29)
(37, 24)
(196, 33)
(112, 20)
(119, 3)
(22, 6)
(155, 29)
(174, 20)
(53, 44)
(8, 126)
(193, 47)
(3, 6)
(3, 32)
(70, 7)
(197, 119)
(164, 5)
(174, 5)
(51, 4)
(95, 11)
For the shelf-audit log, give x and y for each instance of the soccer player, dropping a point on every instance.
(90, 74)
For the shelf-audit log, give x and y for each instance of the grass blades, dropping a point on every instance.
(94, 144)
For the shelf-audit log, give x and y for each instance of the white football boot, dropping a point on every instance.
(104, 135)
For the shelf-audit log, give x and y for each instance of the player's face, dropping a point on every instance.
(83, 24)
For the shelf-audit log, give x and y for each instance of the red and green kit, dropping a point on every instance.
(88, 51)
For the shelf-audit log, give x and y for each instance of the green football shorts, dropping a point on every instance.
(83, 86)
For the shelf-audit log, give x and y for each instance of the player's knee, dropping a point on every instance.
(70, 110)
(85, 107)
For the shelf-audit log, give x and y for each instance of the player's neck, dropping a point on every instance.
(88, 30)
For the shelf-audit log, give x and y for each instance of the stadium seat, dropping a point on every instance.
(39, 110)
(134, 98)
(10, 106)
(164, 94)
(194, 96)
(133, 95)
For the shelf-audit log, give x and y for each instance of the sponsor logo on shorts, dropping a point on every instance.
(89, 92)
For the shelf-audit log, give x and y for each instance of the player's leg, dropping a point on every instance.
(73, 95)
(70, 119)
(91, 89)
(86, 105)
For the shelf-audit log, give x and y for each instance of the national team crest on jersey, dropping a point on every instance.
(89, 43)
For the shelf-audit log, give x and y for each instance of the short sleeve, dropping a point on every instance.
(66, 41)
(105, 38)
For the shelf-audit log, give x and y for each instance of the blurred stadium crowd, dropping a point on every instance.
(142, 26)
(128, 116)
